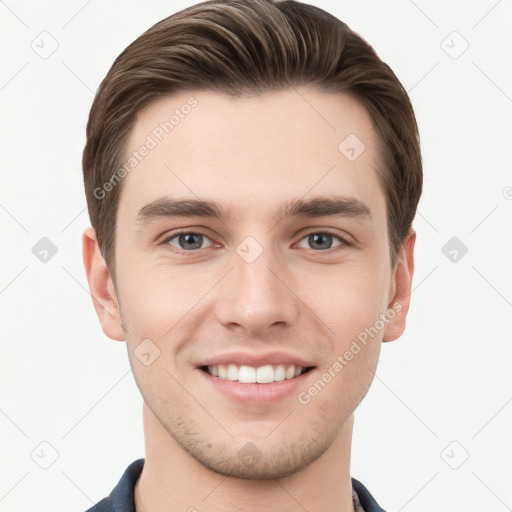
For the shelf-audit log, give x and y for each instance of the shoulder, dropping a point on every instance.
(121, 497)
(367, 501)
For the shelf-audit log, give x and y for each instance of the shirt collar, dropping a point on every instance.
(121, 498)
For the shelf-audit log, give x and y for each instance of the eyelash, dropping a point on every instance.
(344, 241)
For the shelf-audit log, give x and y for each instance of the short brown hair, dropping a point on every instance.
(246, 47)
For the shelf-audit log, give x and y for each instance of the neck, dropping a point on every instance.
(173, 478)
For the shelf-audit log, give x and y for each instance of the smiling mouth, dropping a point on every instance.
(255, 375)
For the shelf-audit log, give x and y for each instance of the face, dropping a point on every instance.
(253, 275)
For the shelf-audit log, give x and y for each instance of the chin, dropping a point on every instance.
(258, 460)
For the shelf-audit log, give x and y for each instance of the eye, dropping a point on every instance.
(188, 240)
(323, 240)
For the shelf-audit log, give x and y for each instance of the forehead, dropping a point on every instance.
(252, 152)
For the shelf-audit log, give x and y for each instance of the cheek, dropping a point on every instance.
(164, 306)
(347, 300)
(156, 298)
(159, 387)
(350, 370)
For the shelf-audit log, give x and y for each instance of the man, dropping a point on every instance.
(252, 171)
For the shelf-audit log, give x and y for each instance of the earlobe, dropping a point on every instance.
(101, 287)
(400, 292)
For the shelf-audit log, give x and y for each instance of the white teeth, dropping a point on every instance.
(265, 374)
(232, 373)
(249, 374)
(290, 372)
(279, 372)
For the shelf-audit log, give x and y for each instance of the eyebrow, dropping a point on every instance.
(334, 206)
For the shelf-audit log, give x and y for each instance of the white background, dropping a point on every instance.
(447, 379)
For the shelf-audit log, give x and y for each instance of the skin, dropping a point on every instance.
(251, 154)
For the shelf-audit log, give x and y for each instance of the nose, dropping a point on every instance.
(257, 296)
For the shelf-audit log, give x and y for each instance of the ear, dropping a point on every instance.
(101, 287)
(400, 291)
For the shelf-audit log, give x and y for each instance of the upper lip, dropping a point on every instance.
(256, 359)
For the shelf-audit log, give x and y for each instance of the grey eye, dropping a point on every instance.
(322, 241)
(188, 241)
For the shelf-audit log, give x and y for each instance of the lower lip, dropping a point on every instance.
(255, 393)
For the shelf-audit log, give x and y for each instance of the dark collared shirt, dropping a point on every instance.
(121, 498)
